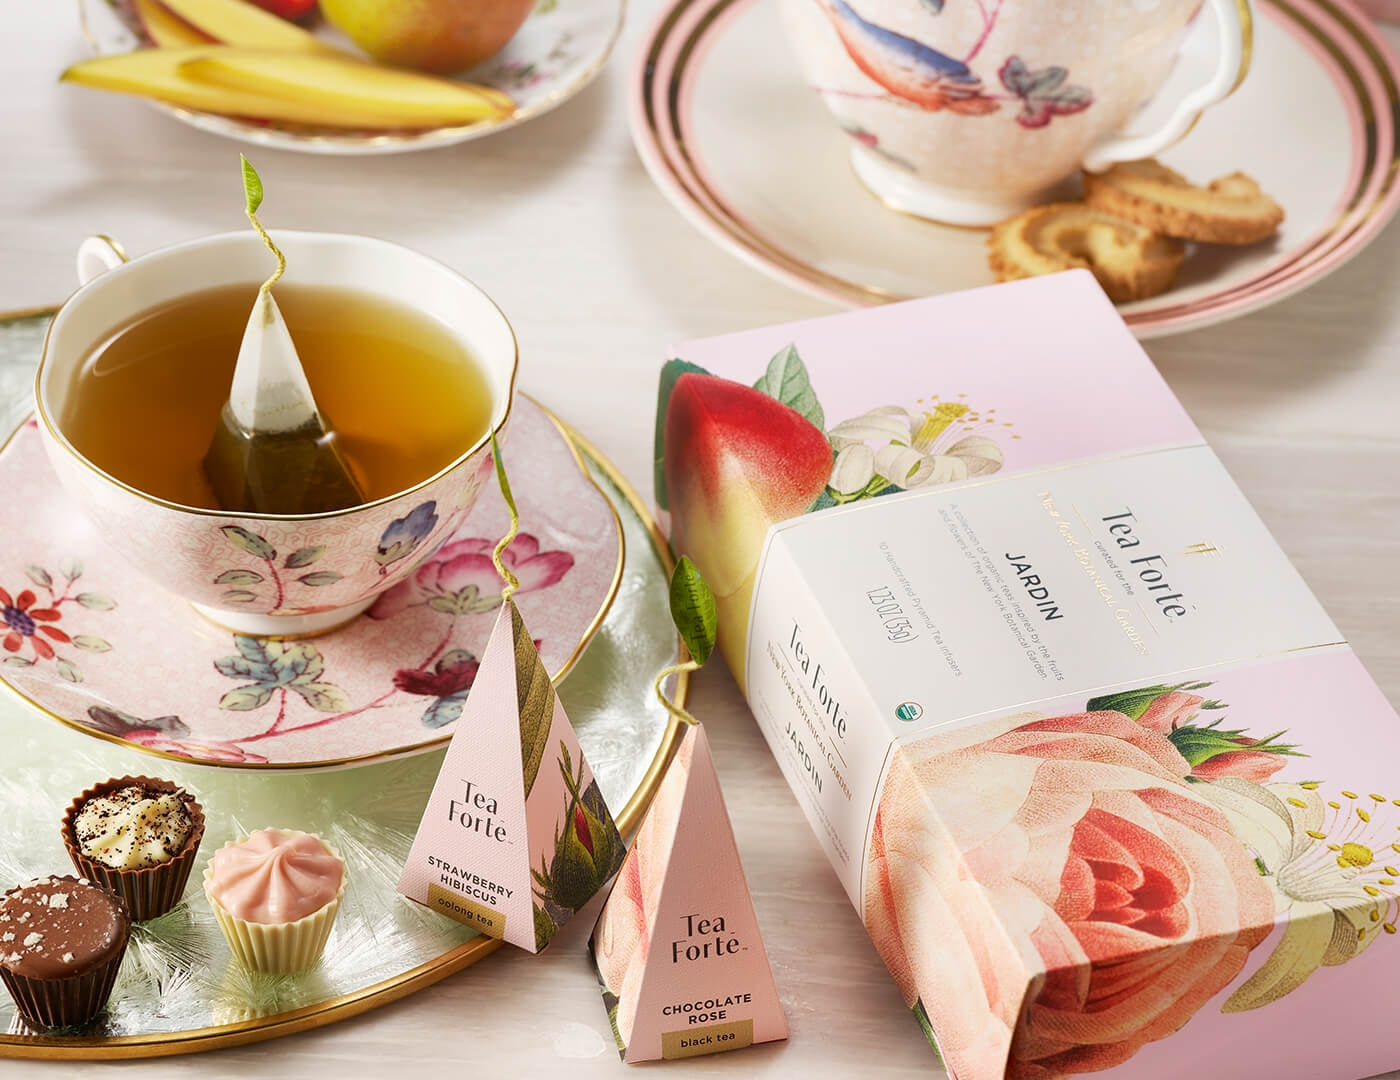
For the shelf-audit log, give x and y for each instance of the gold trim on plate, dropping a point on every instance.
(286, 137)
(345, 1006)
(403, 751)
(701, 200)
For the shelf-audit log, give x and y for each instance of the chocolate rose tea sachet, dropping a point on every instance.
(273, 452)
(677, 948)
(1106, 785)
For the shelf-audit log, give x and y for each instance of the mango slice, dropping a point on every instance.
(323, 91)
(235, 22)
(400, 97)
(167, 29)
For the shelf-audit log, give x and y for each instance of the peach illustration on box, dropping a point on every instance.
(677, 947)
(731, 460)
(516, 836)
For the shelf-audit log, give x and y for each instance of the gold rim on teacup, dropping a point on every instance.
(165, 539)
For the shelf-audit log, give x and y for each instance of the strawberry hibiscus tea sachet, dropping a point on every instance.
(1108, 788)
(516, 836)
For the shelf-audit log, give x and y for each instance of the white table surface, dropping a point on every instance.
(558, 221)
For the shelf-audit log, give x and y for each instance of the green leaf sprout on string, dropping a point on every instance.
(693, 611)
(512, 582)
(253, 194)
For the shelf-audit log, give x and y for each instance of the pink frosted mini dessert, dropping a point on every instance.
(276, 894)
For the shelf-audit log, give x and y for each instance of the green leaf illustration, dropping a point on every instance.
(250, 542)
(545, 928)
(921, 1014)
(253, 648)
(95, 601)
(238, 577)
(320, 577)
(445, 710)
(72, 569)
(92, 644)
(445, 604)
(294, 661)
(239, 596)
(39, 576)
(252, 185)
(670, 372)
(786, 380)
(324, 697)
(305, 557)
(693, 610)
(68, 670)
(240, 667)
(535, 698)
(19, 661)
(246, 698)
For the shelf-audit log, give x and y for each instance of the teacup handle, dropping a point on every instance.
(1234, 21)
(97, 255)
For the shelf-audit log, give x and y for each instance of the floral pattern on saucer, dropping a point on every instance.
(90, 641)
(555, 54)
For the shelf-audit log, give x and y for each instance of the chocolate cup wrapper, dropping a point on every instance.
(278, 948)
(150, 891)
(64, 1002)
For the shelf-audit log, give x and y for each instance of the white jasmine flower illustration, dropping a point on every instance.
(892, 446)
(1332, 867)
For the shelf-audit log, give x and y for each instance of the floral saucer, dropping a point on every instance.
(716, 78)
(554, 55)
(92, 643)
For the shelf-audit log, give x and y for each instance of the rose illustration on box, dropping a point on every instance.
(731, 460)
(677, 947)
(516, 836)
(1051, 894)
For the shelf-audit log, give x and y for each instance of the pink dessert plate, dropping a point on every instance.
(90, 642)
(735, 138)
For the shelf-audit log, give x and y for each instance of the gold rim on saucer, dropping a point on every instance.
(345, 1006)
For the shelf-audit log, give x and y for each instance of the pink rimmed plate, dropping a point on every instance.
(747, 152)
(92, 643)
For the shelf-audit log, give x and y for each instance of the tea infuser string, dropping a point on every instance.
(253, 193)
(670, 706)
(512, 582)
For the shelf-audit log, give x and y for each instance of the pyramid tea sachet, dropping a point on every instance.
(516, 836)
(273, 452)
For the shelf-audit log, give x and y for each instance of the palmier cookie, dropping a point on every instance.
(1231, 210)
(1130, 262)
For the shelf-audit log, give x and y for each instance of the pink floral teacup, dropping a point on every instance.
(968, 111)
(270, 574)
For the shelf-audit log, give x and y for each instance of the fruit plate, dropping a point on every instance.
(178, 991)
(715, 78)
(555, 54)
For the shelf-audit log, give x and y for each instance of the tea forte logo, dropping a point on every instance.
(908, 711)
(1202, 548)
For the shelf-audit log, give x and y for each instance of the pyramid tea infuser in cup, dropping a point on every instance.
(272, 452)
(131, 457)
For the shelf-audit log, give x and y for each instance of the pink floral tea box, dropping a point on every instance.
(1107, 786)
